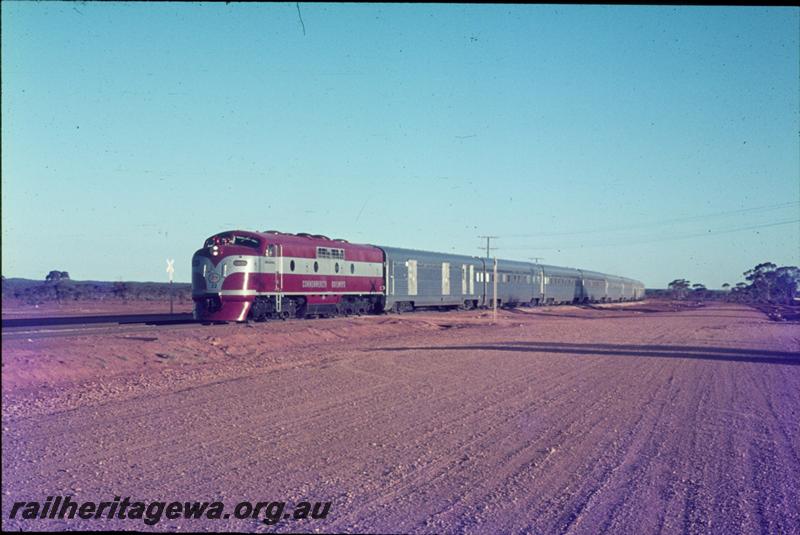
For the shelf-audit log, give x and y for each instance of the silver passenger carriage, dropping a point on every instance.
(425, 279)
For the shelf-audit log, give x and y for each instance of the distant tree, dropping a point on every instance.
(679, 288)
(726, 286)
(761, 280)
(739, 292)
(120, 290)
(768, 283)
(53, 276)
(699, 291)
(64, 275)
(785, 286)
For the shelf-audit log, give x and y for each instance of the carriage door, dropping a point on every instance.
(541, 283)
(445, 278)
(389, 267)
(412, 277)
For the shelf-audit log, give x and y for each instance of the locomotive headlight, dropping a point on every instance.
(215, 250)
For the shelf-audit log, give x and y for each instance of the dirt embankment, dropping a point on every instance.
(640, 418)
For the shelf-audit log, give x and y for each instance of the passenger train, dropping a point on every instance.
(242, 275)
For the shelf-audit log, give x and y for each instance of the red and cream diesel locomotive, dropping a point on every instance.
(241, 275)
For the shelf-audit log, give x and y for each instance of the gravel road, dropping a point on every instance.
(648, 418)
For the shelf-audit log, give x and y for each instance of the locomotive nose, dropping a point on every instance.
(205, 276)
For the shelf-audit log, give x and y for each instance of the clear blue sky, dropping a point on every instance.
(633, 140)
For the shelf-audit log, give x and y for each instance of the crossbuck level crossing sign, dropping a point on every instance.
(170, 268)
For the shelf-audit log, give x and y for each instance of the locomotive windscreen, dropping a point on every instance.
(229, 239)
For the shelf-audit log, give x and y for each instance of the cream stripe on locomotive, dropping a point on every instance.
(290, 266)
(255, 292)
(328, 266)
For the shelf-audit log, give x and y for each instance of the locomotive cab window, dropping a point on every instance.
(228, 239)
(247, 241)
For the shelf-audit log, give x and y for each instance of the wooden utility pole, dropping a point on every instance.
(488, 243)
(170, 270)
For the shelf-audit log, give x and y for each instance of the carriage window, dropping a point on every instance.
(336, 267)
(291, 265)
(352, 268)
(316, 267)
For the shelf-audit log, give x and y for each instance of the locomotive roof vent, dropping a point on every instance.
(303, 234)
(320, 237)
(273, 232)
(341, 240)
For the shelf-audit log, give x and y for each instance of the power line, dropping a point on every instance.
(660, 223)
(657, 240)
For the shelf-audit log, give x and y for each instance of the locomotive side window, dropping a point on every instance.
(325, 252)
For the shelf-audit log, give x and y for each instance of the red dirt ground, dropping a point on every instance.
(15, 309)
(644, 418)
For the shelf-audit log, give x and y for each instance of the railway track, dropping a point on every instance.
(99, 324)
